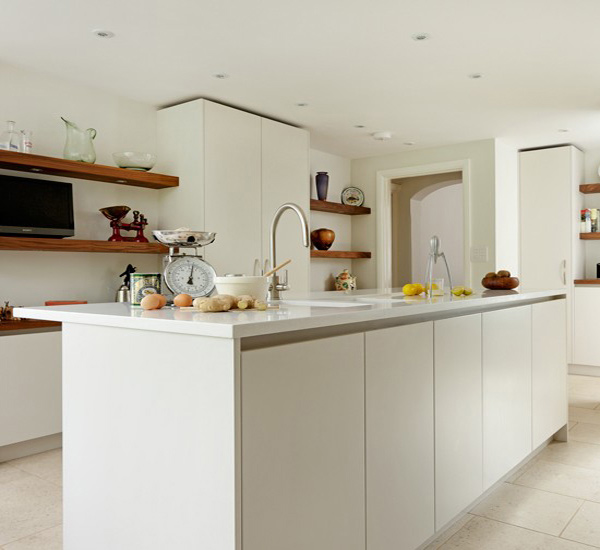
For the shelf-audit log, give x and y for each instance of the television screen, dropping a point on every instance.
(35, 208)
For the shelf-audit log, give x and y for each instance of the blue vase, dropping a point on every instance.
(322, 181)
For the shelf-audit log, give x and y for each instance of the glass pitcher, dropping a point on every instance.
(79, 145)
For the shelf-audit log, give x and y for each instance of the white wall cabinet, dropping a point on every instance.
(458, 415)
(235, 170)
(586, 308)
(506, 353)
(30, 386)
(303, 446)
(399, 436)
(549, 370)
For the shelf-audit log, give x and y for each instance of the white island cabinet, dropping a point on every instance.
(359, 421)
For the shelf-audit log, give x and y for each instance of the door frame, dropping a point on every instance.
(384, 209)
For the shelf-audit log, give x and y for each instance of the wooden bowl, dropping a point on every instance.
(322, 239)
(500, 283)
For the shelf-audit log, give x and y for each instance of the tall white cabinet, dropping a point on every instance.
(235, 170)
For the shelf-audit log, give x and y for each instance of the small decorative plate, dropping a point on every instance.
(353, 196)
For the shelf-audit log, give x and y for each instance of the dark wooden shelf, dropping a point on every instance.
(338, 208)
(27, 324)
(75, 245)
(38, 164)
(589, 236)
(587, 281)
(588, 188)
(339, 254)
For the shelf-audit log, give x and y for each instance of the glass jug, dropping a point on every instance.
(79, 145)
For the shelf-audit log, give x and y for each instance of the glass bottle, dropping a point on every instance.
(26, 141)
(10, 140)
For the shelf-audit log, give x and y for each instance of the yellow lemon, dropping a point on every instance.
(433, 286)
(458, 290)
(468, 291)
(409, 290)
(419, 288)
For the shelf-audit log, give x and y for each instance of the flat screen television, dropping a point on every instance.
(35, 208)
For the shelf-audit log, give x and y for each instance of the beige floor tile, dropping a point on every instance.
(46, 465)
(583, 400)
(512, 478)
(9, 473)
(50, 539)
(573, 453)
(27, 506)
(562, 479)
(530, 508)
(451, 531)
(486, 534)
(585, 526)
(583, 382)
(571, 425)
(588, 416)
(586, 433)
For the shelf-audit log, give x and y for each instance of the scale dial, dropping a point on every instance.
(190, 275)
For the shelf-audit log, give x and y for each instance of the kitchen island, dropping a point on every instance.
(322, 424)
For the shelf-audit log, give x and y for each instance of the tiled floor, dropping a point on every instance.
(553, 503)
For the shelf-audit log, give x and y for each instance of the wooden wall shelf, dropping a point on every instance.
(589, 236)
(38, 164)
(338, 208)
(588, 188)
(587, 281)
(339, 254)
(75, 245)
(27, 324)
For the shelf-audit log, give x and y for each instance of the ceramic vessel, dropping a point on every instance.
(322, 239)
(345, 281)
(322, 181)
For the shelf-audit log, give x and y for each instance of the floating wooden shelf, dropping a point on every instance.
(38, 164)
(27, 324)
(339, 254)
(75, 245)
(587, 281)
(588, 188)
(338, 208)
(589, 236)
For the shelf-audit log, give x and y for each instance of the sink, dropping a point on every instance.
(320, 303)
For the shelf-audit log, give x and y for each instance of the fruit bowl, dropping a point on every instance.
(135, 161)
(500, 281)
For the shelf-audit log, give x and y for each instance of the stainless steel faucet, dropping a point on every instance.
(275, 287)
(434, 254)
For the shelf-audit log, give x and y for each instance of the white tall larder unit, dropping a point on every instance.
(235, 169)
(551, 253)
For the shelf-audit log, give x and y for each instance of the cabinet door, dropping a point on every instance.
(546, 217)
(232, 188)
(458, 415)
(506, 391)
(549, 369)
(30, 386)
(586, 307)
(399, 433)
(303, 484)
(286, 178)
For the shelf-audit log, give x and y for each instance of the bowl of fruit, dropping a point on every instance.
(500, 281)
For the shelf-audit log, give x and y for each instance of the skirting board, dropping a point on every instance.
(584, 370)
(30, 447)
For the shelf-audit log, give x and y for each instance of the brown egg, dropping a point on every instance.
(163, 300)
(152, 301)
(183, 300)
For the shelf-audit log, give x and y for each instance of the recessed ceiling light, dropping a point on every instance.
(359, 125)
(409, 143)
(301, 104)
(382, 136)
(102, 33)
(475, 76)
(563, 129)
(420, 37)
(221, 76)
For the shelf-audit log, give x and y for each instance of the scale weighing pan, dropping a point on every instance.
(183, 237)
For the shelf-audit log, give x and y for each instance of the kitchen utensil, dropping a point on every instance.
(269, 273)
(238, 285)
(115, 214)
(135, 161)
(79, 145)
(183, 237)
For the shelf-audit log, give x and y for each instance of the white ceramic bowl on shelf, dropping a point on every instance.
(135, 161)
(237, 285)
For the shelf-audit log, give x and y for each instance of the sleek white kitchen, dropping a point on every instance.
(321, 276)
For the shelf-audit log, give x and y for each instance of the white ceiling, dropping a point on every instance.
(352, 62)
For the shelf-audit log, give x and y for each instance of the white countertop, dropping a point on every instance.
(341, 309)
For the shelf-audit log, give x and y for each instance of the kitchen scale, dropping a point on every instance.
(187, 273)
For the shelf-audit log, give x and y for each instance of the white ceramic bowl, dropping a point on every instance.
(237, 285)
(135, 161)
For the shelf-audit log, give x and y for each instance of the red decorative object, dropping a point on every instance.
(116, 214)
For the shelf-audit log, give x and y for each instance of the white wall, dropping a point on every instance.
(481, 157)
(36, 102)
(323, 270)
(591, 248)
(438, 213)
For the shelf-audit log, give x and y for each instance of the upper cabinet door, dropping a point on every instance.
(546, 181)
(286, 178)
(232, 188)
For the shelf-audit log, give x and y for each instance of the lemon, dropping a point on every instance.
(468, 291)
(433, 286)
(409, 290)
(458, 290)
(419, 288)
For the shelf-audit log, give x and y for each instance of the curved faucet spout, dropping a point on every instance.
(274, 290)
